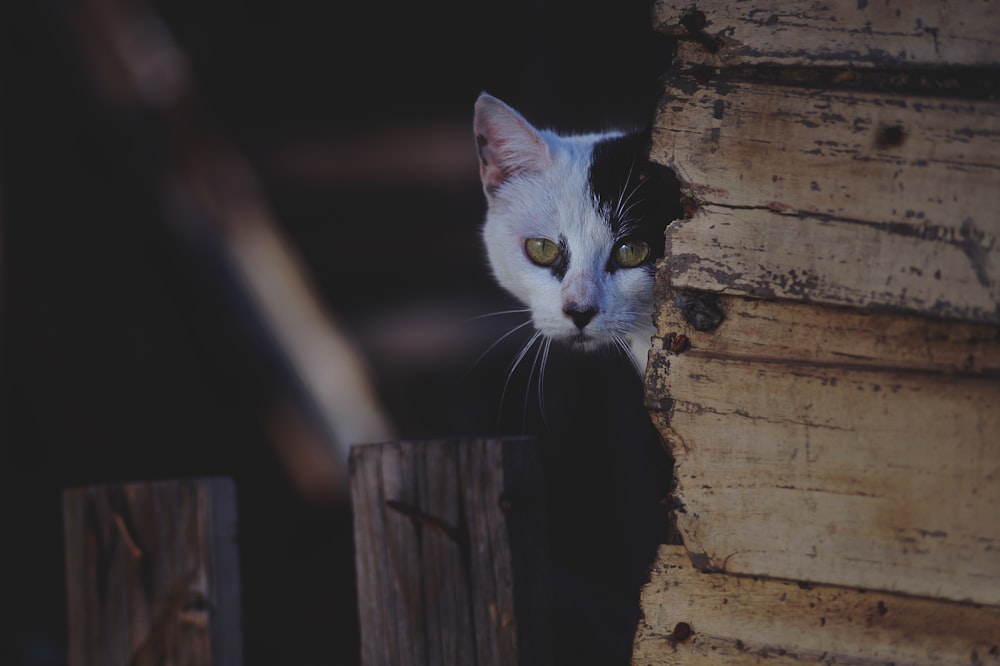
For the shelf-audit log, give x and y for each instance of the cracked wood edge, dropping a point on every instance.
(817, 334)
(891, 33)
(850, 198)
(706, 619)
(860, 476)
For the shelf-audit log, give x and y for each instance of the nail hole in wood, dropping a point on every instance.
(890, 136)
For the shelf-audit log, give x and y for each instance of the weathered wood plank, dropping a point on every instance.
(855, 33)
(920, 161)
(451, 552)
(800, 332)
(152, 574)
(763, 254)
(845, 198)
(735, 620)
(865, 477)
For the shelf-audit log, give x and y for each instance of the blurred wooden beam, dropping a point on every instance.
(212, 200)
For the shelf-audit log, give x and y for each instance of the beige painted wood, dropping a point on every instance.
(813, 462)
(927, 163)
(837, 197)
(764, 254)
(882, 33)
(771, 331)
(737, 620)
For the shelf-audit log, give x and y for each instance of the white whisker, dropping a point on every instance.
(621, 195)
(541, 380)
(622, 208)
(498, 341)
(495, 314)
(527, 387)
(510, 372)
(623, 345)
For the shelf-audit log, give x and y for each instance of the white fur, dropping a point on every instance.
(548, 197)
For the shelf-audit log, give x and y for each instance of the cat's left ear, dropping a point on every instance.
(508, 144)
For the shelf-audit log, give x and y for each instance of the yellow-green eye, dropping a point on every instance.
(541, 251)
(631, 253)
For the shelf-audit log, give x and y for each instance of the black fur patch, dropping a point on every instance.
(562, 263)
(638, 197)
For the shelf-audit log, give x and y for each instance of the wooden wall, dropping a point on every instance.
(827, 365)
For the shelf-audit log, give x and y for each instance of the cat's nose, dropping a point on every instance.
(580, 314)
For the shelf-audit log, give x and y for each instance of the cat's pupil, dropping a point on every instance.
(541, 251)
(631, 253)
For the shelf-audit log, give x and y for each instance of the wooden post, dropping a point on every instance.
(152, 574)
(452, 553)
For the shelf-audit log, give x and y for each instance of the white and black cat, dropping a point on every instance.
(574, 226)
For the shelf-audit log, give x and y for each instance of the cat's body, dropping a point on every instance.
(574, 227)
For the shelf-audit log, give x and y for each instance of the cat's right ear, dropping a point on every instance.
(508, 144)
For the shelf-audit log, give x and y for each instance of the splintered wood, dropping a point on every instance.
(854, 33)
(836, 446)
(697, 619)
(842, 197)
(826, 369)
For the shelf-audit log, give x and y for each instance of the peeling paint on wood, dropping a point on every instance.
(853, 33)
(764, 254)
(807, 463)
(771, 331)
(927, 166)
(838, 426)
(727, 620)
(847, 198)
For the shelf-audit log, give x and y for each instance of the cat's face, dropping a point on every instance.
(574, 226)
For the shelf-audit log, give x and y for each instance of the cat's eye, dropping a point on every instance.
(541, 251)
(631, 253)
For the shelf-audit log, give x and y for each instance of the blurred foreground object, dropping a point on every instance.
(153, 573)
(212, 200)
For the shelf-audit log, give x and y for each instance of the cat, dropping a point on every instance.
(574, 227)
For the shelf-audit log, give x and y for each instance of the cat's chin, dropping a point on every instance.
(583, 342)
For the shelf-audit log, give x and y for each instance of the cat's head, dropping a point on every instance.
(574, 226)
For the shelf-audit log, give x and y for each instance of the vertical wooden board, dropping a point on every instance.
(869, 478)
(445, 573)
(389, 555)
(760, 253)
(694, 618)
(929, 164)
(152, 573)
(491, 562)
(855, 33)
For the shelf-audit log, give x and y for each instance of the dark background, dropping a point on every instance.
(123, 358)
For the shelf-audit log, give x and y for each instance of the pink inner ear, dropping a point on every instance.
(508, 144)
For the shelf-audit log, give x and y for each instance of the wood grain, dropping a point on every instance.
(768, 255)
(802, 454)
(451, 552)
(802, 333)
(887, 33)
(740, 620)
(152, 574)
(849, 198)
